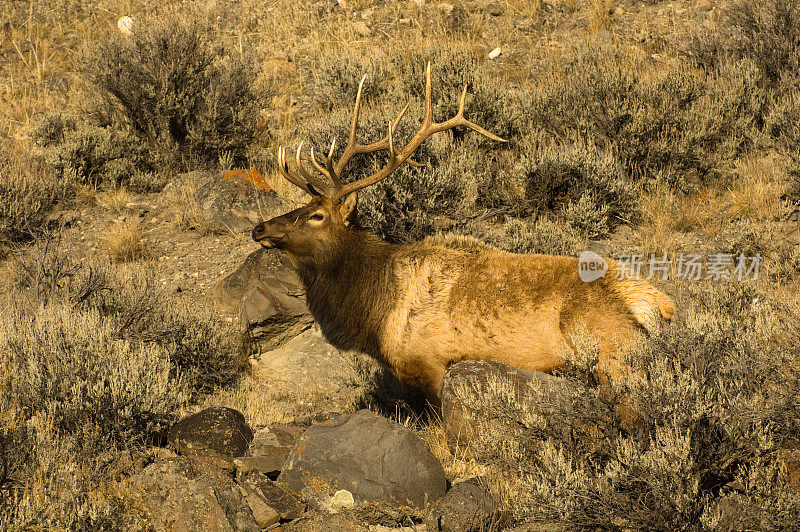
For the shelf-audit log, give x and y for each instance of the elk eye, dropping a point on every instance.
(316, 217)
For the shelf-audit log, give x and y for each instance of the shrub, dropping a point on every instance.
(586, 186)
(397, 77)
(187, 100)
(28, 192)
(93, 155)
(202, 354)
(93, 362)
(526, 235)
(766, 32)
(667, 119)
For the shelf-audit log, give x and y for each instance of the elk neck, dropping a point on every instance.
(349, 289)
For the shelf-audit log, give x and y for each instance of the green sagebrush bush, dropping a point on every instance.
(665, 119)
(587, 187)
(187, 100)
(576, 116)
(93, 361)
(109, 156)
(526, 235)
(394, 78)
(201, 353)
(28, 192)
(716, 397)
(765, 32)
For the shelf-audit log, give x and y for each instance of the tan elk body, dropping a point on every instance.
(419, 308)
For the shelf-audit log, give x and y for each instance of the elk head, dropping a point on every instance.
(315, 228)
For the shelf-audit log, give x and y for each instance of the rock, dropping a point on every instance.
(472, 408)
(316, 374)
(269, 296)
(269, 463)
(326, 523)
(279, 499)
(287, 434)
(264, 514)
(125, 25)
(341, 500)
(179, 496)
(466, 507)
(235, 201)
(362, 28)
(217, 432)
(604, 36)
(276, 435)
(494, 54)
(373, 458)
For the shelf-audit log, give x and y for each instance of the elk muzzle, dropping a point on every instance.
(268, 235)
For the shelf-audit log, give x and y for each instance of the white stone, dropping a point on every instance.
(341, 500)
(125, 25)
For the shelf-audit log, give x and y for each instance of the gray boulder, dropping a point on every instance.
(236, 200)
(179, 496)
(373, 458)
(216, 432)
(315, 375)
(467, 507)
(285, 504)
(269, 296)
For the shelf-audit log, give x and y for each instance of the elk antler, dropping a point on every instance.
(336, 190)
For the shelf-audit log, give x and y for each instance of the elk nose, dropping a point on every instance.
(258, 231)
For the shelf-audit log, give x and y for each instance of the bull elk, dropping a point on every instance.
(419, 308)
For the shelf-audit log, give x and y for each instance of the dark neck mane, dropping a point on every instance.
(350, 291)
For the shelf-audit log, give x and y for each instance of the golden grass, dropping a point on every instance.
(756, 192)
(601, 15)
(666, 215)
(115, 200)
(123, 242)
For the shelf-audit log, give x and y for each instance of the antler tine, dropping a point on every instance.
(334, 176)
(283, 168)
(352, 148)
(310, 178)
(428, 119)
(428, 128)
(318, 166)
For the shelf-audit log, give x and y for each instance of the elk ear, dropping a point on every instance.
(348, 208)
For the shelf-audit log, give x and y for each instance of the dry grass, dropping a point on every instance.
(757, 189)
(123, 242)
(667, 216)
(116, 200)
(601, 15)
